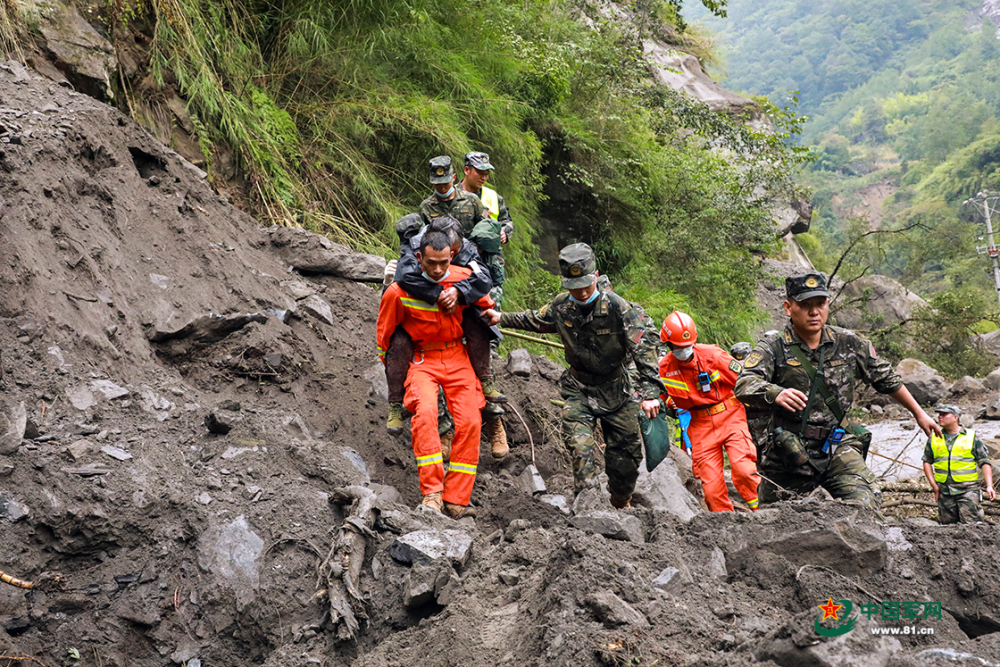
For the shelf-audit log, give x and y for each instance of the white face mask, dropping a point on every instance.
(684, 353)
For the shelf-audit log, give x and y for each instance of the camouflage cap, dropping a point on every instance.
(740, 351)
(486, 236)
(947, 408)
(409, 225)
(806, 286)
(577, 265)
(441, 170)
(479, 161)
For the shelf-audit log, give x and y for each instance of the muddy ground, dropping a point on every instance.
(137, 301)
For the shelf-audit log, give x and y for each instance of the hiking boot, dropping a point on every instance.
(446, 441)
(621, 502)
(491, 392)
(498, 438)
(394, 424)
(433, 500)
(459, 511)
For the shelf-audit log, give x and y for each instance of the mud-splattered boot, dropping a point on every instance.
(621, 502)
(394, 424)
(459, 511)
(498, 438)
(491, 392)
(446, 441)
(433, 500)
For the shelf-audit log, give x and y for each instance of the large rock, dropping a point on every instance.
(682, 72)
(875, 302)
(614, 612)
(792, 217)
(78, 51)
(610, 524)
(845, 546)
(428, 547)
(796, 644)
(519, 363)
(307, 253)
(17, 422)
(925, 383)
(992, 380)
(967, 385)
(208, 328)
(664, 490)
(232, 551)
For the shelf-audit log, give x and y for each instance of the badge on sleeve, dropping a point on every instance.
(871, 350)
(734, 366)
(754, 359)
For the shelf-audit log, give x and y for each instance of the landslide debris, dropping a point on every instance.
(190, 424)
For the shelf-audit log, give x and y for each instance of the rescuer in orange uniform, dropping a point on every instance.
(700, 379)
(439, 359)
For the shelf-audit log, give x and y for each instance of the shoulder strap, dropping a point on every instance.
(828, 398)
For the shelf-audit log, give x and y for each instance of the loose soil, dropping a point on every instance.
(179, 546)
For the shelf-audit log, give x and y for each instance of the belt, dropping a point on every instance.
(434, 345)
(716, 408)
(590, 378)
(810, 432)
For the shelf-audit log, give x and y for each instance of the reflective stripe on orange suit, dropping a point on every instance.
(711, 433)
(448, 368)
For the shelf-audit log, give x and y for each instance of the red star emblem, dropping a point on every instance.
(830, 609)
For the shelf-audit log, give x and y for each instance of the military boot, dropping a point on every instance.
(394, 424)
(491, 392)
(446, 441)
(459, 511)
(433, 500)
(621, 502)
(498, 438)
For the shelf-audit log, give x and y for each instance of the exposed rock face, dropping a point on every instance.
(792, 217)
(925, 383)
(79, 52)
(880, 298)
(311, 253)
(682, 71)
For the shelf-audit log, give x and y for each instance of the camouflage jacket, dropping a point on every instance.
(464, 207)
(506, 222)
(772, 367)
(599, 338)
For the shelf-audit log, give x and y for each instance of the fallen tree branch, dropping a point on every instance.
(342, 568)
(992, 510)
(533, 339)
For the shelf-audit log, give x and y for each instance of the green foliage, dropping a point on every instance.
(945, 329)
(10, 19)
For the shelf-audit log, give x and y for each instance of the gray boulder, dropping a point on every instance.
(925, 383)
(992, 380)
(796, 644)
(875, 297)
(428, 547)
(614, 612)
(664, 490)
(78, 51)
(611, 524)
(967, 385)
(307, 252)
(519, 363)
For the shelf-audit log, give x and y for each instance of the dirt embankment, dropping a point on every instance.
(136, 301)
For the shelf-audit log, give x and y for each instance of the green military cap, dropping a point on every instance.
(441, 171)
(948, 409)
(479, 161)
(409, 225)
(577, 265)
(806, 286)
(486, 236)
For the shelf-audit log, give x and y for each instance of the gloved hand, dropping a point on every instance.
(390, 271)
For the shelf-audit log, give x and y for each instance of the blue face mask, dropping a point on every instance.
(446, 274)
(584, 303)
(446, 195)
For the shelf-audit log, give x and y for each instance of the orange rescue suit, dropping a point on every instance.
(718, 421)
(439, 359)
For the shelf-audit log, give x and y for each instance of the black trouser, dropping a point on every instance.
(397, 357)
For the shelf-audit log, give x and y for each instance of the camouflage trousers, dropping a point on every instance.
(964, 507)
(844, 475)
(620, 425)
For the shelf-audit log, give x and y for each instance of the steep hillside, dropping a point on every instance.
(144, 314)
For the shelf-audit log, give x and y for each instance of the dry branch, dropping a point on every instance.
(342, 568)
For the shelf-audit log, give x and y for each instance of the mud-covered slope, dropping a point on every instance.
(136, 302)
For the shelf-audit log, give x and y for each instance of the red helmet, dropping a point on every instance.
(679, 329)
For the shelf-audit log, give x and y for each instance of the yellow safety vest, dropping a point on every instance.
(959, 464)
(491, 200)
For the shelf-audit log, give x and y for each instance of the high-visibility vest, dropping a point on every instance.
(491, 200)
(959, 464)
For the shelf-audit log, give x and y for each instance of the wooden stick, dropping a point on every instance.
(512, 334)
(342, 567)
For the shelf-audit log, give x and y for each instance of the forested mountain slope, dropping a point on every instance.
(903, 100)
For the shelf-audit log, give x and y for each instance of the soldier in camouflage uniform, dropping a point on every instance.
(477, 172)
(798, 458)
(450, 200)
(601, 331)
(950, 462)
